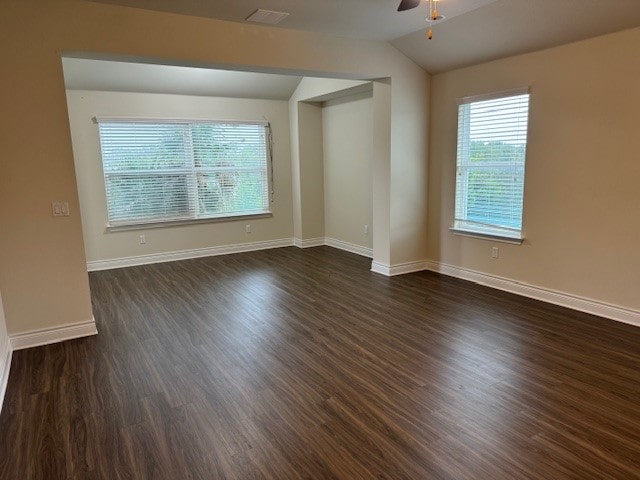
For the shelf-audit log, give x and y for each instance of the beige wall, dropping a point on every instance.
(347, 125)
(4, 346)
(312, 91)
(43, 278)
(381, 171)
(311, 170)
(101, 244)
(408, 173)
(305, 116)
(582, 199)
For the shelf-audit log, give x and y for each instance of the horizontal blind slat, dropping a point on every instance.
(491, 151)
(179, 170)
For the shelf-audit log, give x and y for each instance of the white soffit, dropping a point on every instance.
(86, 74)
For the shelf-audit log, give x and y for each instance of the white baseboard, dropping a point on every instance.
(380, 268)
(574, 302)
(308, 243)
(96, 265)
(349, 247)
(46, 336)
(5, 365)
(335, 243)
(399, 269)
(587, 305)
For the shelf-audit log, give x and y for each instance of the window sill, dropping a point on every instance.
(487, 236)
(177, 223)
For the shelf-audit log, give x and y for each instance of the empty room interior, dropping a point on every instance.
(348, 239)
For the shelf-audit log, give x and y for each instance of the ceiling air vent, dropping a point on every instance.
(267, 16)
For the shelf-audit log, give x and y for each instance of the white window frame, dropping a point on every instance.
(191, 172)
(462, 226)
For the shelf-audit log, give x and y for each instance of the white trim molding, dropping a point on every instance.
(399, 269)
(5, 365)
(349, 247)
(574, 302)
(46, 336)
(308, 243)
(335, 243)
(97, 265)
(381, 268)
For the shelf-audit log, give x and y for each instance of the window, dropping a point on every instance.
(164, 171)
(492, 144)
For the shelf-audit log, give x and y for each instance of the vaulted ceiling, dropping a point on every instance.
(473, 31)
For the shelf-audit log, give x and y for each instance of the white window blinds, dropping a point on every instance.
(492, 142)
(163, 171)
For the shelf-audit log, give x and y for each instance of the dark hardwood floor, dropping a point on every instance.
(289, 363)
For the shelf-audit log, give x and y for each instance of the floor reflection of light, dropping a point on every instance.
(466, 376)
(250, 304)
(244, 314)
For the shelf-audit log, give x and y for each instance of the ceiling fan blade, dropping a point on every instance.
(408, 5)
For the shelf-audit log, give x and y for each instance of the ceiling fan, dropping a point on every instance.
(433, 12)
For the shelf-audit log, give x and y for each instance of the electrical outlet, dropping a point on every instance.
(247, 228)
(366, 229)
(60, 209)
(495, 252)
(143, 240)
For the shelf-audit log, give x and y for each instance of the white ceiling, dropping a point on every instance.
(84, 74)
(474, 30)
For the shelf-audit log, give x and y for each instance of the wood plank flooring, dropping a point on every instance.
(301, 364)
